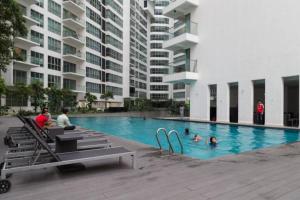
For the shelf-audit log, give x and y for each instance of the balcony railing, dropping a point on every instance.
(77, 2)
(189, 27)
(187, 66)
(77, 71)
(74, 35)
(70, 16)
(77, 54)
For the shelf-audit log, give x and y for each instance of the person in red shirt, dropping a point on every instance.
(42, 119)
(260, 109)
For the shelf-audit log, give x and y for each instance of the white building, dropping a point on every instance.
(240, 52)
(161, 29)
(85, 46)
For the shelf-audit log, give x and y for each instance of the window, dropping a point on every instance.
(93, 44)
(114, 42)
(37, 77)
(54, 45)
(54, 63)
(93, 73)
(19, 77)
(54, 8)
(93, 30)
(159, 87)
(11, 100)
(95, 3)
(69, 49)
(93, 87)
(114, 17)
(37, 37)
(159, 37)
(114, 66)
(156, 45)
(115, 90)
(69, 67)
(159, 96)
(40, 3)
(178, 86)
(38, 17)
(114, 54)
(111, 28)
(91, 58)
(179, 95)
(37, 58)
(113, 78)
(54, 81)
(158, 71)
(159, 62)
(155, 79)
(93, 16)
(114, 5)
(54, 26)
(69, 84)
(159, 29)
(159, 54)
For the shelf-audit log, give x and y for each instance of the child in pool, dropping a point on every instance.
(186, 131)
(197, 138)
(213, 141)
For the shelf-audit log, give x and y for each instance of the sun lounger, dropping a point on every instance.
(51, 159)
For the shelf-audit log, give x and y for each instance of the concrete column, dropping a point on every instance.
(246, 102)
(199, 96)
(223, 102)
(274, 104)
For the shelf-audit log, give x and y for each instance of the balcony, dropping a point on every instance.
(178, 8)
(73, 39)
(74, 73)
(182, 72)
(30, 22)
(149, 7)
(182, 37)
(74, 57)
(75, 88)
(27, 2)
(23, 62)
(74, 6)
(73, 22)
(24, 42)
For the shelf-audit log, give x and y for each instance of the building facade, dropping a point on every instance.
(243, 52)
(81, 46)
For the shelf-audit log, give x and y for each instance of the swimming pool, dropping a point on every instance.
(231, 139)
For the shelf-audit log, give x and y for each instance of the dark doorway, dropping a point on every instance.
(213, 102)
(233, 102)
(291, 101)
(259, 102)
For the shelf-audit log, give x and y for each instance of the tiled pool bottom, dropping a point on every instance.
(231, 139)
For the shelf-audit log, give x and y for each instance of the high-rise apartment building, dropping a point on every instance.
(96, 46)
(81, 46)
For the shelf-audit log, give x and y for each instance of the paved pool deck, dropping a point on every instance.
(268, 174)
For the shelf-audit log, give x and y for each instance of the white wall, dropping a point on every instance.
(241, 41)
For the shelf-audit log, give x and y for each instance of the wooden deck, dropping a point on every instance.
(270, 174)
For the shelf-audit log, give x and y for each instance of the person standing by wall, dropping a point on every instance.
(260, 109)
(181, 111)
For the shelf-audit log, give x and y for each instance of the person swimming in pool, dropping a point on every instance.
(213, 141)
(186, 131)
(197, 138)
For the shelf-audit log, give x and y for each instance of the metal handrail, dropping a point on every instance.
(179, 140)
(157, 139)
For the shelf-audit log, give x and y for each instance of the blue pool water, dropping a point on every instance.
(231, 139)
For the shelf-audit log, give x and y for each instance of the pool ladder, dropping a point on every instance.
(171, 149)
